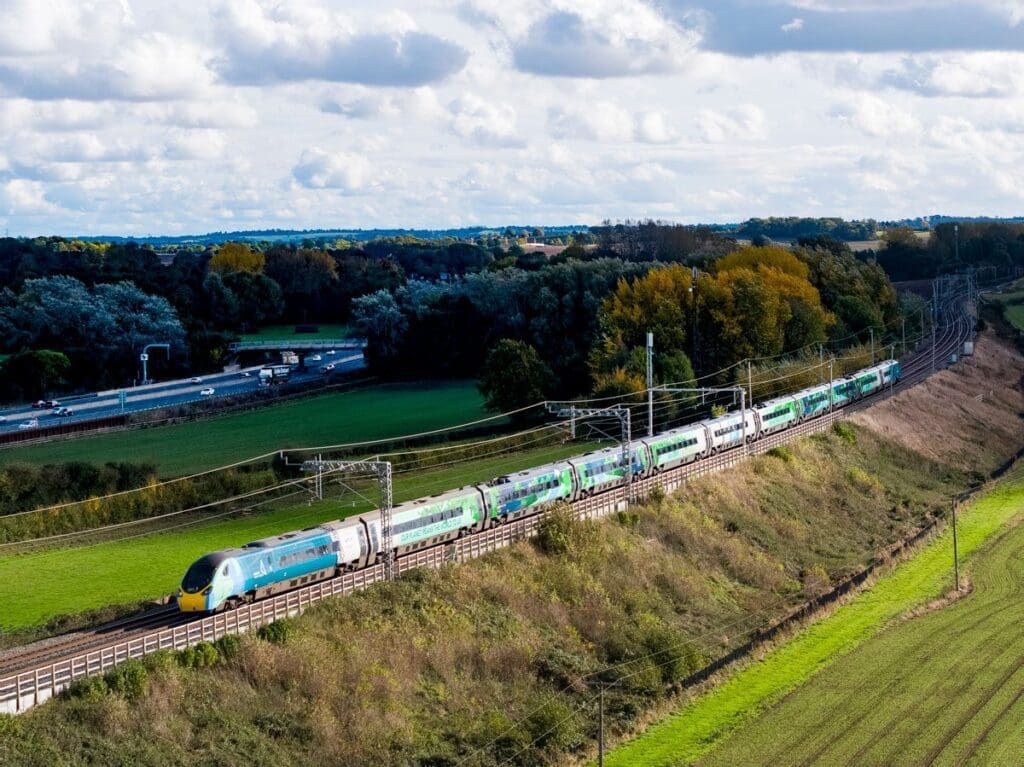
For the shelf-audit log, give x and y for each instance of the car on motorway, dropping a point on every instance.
(42, 404)
(245, 374)
(31, 423)
(314, 358)
(327, 368)
(207, 392)
(62, 412)
(195, 379)
(330, 351)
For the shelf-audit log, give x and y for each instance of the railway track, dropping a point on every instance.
(31, 674)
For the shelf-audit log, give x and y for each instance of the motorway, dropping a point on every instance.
(169, 393)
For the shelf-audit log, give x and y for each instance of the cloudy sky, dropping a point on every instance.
(138, 117)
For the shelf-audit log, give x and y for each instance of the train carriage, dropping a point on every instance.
(844, 391)
(729, 430)
(676, 447)
(814, 401)
(427, 521)
(515, 495)
(258, 569)
(776, 414)
(603, 469)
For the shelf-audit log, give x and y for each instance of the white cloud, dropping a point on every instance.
(793, 26)
(300, 41)
(973, 75)
(601, 39)
(343, 171)
(875, 116)
(484, 122)
(743, 123)
(152, 67)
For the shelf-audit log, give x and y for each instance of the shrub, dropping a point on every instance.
(278, 632)
(815, 581)
(559, 531)
(845, 431)
(130, 679)
(161, 660)
(9, 725)
(202, 655)
(783, 453)
(90, 688)
(228, 646)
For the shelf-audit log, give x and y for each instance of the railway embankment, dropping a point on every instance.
(501, 660)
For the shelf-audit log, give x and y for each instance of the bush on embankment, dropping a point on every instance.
(504, 656)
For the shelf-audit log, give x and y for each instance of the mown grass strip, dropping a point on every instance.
(685, 736)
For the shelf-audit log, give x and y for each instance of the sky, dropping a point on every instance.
(136, 117)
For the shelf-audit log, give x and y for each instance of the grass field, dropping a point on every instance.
(366, 414)
(38, 586)
(287, 332)
(895, 698)
(1013, 307)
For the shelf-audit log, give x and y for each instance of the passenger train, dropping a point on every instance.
(225, 579)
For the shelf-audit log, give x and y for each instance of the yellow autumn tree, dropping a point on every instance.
(232, 257)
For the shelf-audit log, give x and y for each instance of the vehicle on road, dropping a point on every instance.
(195, 379)
(275, 374)
(314, 358)
(31, 423)
(207, 392)
(62, 412)
(330, 351)
(42, 404)
(245, 374)
(327, 368)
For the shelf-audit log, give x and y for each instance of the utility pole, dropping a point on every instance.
(650, 384)
(956, 234)
(872, 330)
(750, 383)
(956, 558)
(600, 727)
(382, 471)
(821, 364)
(904, 323)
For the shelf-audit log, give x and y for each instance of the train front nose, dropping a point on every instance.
(193, 603)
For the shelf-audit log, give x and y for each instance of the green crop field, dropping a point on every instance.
(1013, 307)
(40, 585)
(287, 333)
(939, 686)
(354, 416)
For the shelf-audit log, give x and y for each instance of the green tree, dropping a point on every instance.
(513, 376)
(31, 374)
